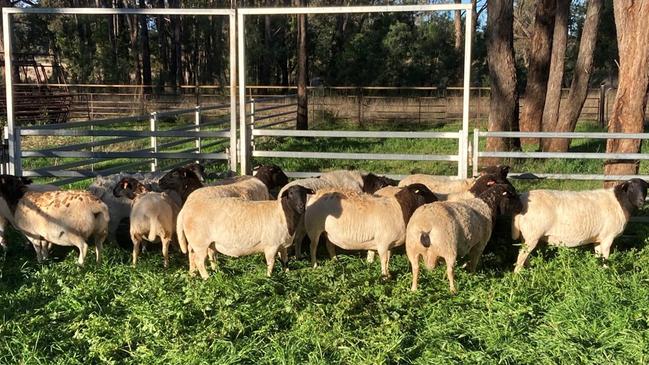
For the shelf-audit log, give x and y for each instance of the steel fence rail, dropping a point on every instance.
(134, 154)
(122, 133)
(354, 134)
(354, 156)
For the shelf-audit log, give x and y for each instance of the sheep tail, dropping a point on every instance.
(155, 229)
(182, 240)
(425, 239)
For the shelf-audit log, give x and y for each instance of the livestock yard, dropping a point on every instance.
(564, 308)
(189, 185)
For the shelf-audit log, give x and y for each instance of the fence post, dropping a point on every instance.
(197, 122)
(251, 126)
(602, 106)
(476, 149)
(153, 121)
(18, 162)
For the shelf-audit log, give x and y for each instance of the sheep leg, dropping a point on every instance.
(45, 249)
(211, 255)
(603, 250)
(414, 264)
(524, 253)
(137, 241)
(36, 243)
(83, 250)
(314, 248)
(99, 246)
(283, 255)
(199, 262)
(384, 255)
(474, 256)
(450, 273)
(165, 251)
(192, 262)
(270, 260)
(331, 250)
(370, 256)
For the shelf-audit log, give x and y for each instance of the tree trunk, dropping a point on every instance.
(538, 69)
(135, 49)
(264, 71)
(175, 61)
(555, 80)
(503, 100)
(162, 43)
(457, 23)
(302, 71)
(632, 24)
(579, 86)
(145, 51)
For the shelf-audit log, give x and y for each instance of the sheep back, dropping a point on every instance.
(245, 187)
(439, 185)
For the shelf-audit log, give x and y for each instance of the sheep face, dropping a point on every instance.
(631, 195)
(412, 197)
(198, 169)
(506, 200)
(129, 187)
(26, 180)
(179, 178)
(295, 198)
(271, 175)
(12, 189)
(486, 182)
(372, 183)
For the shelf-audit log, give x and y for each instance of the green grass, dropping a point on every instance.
(565, 308)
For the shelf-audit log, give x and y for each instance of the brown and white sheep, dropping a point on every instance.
(65, 218)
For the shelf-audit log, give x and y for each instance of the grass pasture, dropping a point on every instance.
(566, 308)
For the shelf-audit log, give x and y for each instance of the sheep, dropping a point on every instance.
(369, 183)
(454, 229)
(31, 187)
(247, 187)
(237, 227)
(362, 221)
(357, 181)
(153, 215)
(444, 186)
(65, 218)
(120, 207)
(576, 218)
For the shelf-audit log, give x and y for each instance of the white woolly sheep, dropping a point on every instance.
(576, 218)
(65, 218)
(356, 180)
(454, 229)
(446, 188)
(362, 221)
(153, 215)
(237, 227)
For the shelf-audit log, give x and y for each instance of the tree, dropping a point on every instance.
(581, 76)
(503, 101)
(538, 69)
(145, 51)
(302, 71)
(632, 23)
(457, 23)
(555, 79)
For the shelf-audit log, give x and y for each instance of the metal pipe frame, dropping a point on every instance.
(462, 159)
(14, 132)
(354, 156)
(354, 134)
(591, 135)
(123, 133)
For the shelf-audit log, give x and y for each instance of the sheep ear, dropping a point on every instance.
(491, 182)
(125, 185)
(310, 191)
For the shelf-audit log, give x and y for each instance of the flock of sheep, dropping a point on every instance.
(434, 217)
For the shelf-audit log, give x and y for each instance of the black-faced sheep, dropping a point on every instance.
(363, 221)
(454, 229)
(237, 227)
(443, 186)
(576, 218)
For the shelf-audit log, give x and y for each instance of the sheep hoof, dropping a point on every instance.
(286, 269)
(385, 278)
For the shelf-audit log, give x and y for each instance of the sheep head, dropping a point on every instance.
(502, 199)
(182, 180)
(271, 175)
(129, 187)
(372, 183)
(631, 195)
(412, 197)
(12, 189)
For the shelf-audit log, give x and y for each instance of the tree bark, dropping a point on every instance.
(503, 100)
(302, 71)
(579, 86)
(538, 69)
(457, 23)
(555, 79)
(162, 43)
(145, 51)
(632, 24)
(175, 62)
